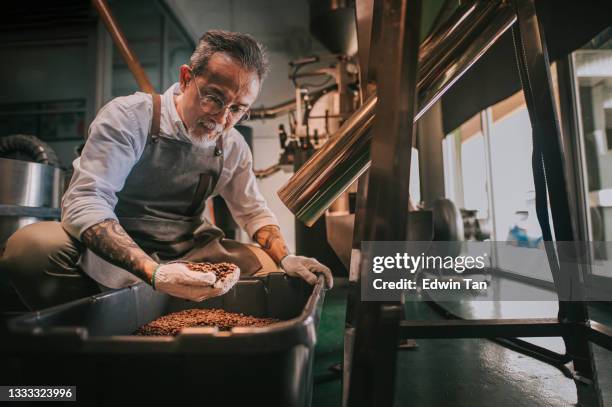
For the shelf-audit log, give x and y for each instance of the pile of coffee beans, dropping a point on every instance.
(221, 270)
(171, 324)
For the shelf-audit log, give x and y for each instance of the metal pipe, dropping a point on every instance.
(461, 47)
(319, 182)
(445, 11)
(287, 106)
(273, 111)
(266, 172)
(444, 57)
(122, 45)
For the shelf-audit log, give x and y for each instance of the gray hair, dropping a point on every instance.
(243, 48)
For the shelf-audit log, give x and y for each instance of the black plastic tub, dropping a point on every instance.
(88, 343)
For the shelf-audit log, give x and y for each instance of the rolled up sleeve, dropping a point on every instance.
(242, 195)
(113, 147)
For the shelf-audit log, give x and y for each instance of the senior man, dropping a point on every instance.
(137, 196)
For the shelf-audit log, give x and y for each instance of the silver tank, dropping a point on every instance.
(29, 193)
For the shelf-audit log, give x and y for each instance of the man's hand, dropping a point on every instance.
(305, 268)
(271, 241)
(111, 242)
(178, 280)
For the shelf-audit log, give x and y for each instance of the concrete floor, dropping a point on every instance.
(462, 372)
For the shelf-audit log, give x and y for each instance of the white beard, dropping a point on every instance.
(196, 132)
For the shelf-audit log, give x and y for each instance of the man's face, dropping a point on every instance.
(227, 82)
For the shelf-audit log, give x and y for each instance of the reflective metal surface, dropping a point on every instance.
(371, 378)
(332, 169)
(443, 58)
(452, 49)
(27, 184)
(30, 184)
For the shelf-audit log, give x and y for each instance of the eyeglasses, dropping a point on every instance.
(214, 105)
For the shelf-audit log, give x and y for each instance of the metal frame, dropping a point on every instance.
(534, 69)
(571, 125)
(486, 124)
(375, 328)
(376, 325)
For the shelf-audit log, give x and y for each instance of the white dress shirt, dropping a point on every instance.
(116, 141)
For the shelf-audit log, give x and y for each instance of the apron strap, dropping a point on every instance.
(155, 122)
(219, 146)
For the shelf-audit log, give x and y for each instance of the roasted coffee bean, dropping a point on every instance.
(171, 324)
(221, 270)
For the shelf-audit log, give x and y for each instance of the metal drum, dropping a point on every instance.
(29, 193)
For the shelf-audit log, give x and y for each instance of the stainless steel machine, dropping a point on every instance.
(29, 192)
(400, 82)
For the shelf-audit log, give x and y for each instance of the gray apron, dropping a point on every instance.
(163, 199)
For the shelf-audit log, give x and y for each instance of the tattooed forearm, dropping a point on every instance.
(111, 242)
(271, 241)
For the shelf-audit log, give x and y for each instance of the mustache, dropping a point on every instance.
(201, 127)
(209, 125)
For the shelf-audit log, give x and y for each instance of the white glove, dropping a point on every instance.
(178, 280)
(305, 267)
(228, 281)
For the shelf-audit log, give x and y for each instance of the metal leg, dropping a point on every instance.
(373, 328)
(534, 69)
(376, 324)
(368, 14)
(354, 290)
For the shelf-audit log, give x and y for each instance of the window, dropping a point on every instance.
(465, 170)
(593, 76)
(415, 185)
(512, 173)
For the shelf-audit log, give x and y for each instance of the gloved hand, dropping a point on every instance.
(305, 267)
(178, 280)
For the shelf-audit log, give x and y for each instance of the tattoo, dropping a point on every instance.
(271, 241)
(267, 235)
(111, 242)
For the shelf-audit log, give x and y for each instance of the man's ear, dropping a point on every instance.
(184, 76)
